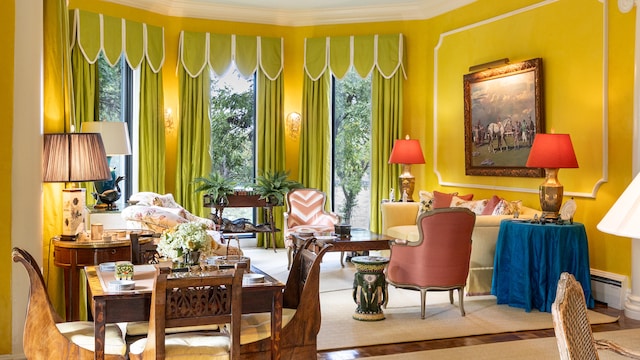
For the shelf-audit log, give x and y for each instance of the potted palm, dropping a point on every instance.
(216, 188)
(273, 186)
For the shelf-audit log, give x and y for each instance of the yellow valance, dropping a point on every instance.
(94, 33)
(197, 50)
(364, 53)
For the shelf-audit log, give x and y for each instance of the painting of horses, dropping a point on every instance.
(503, 111)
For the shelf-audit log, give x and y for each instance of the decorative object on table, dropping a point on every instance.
(567, 210)
(73, 157)
(183, 241)
(115, 136)
(229, 260)
(551, 152)
(216, 188)
(369, 287)
(274, 186)
(622, 220)
(491, 116)
(97, 230)
(406, 152)
(124, 270)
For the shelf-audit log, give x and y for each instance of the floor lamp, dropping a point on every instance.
(73, 158)
(622, 220)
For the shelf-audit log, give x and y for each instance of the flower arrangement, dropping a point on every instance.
(184, 238)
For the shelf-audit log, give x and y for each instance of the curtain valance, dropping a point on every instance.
(197, 50)
(93, 33)
(364, 53)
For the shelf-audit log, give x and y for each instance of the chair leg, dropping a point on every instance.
(423, 300)
(461, 300)
(451, 297)
(342, 258)
(289, 252)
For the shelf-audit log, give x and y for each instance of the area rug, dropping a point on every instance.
(403, 324)
(534, 349)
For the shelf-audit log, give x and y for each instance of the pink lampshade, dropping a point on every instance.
(406, 151)
(552, 151)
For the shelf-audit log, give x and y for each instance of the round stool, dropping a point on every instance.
(369, 287)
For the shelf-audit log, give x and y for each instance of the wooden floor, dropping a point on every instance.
(377, 350)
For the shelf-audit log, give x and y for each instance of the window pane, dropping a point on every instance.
(352, 149)
(233, 132)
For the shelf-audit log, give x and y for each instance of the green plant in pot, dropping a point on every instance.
(274, 186)
(216, 187)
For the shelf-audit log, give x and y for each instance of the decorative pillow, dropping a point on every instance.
(491, 204)
(477, 206)
(426, 202)
(443, 200)
(505, 207)
(152, 217)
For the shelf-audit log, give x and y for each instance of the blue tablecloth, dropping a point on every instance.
(529, 259)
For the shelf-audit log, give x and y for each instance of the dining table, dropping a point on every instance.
(110, 305)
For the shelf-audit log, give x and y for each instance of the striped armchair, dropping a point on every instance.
(306, 211)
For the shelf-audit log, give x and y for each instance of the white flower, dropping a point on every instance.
(183, 238)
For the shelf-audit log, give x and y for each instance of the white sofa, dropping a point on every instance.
(399, 221)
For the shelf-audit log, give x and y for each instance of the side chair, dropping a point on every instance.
(47, 336)
(439, 260)
(190, 300)
(301, 313)
(571, 325)
(306, 211)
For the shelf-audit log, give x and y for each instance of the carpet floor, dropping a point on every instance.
(534, 349)
(402, 323)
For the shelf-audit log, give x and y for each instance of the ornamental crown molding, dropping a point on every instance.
(211, 10)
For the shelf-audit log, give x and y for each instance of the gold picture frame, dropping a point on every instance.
(503, 110)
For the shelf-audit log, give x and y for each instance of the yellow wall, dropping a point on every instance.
(7, 28)
(573, 91)
(607, 253)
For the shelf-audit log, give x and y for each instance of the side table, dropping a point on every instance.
(369, 287)
(529, 259)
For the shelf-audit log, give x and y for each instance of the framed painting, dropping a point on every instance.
(503, 110)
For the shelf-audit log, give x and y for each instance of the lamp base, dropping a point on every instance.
(551, 192)
(407, 182)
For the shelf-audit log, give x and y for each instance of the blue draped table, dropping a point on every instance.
(529, 259)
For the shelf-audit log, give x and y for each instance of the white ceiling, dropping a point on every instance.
(299, 12)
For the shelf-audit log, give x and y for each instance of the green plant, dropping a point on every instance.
(273, 186)
(216, 186)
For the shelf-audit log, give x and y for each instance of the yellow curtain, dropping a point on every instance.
(270, 138)
(383, 55)
(151, 152)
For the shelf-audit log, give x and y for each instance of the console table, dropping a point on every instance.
(72, 256)
(249, 201)
(529, 259)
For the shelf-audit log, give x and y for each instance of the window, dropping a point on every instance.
(352, 148)
(233, 131)
(115, 103)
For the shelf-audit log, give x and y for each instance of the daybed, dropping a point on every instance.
(399, 221)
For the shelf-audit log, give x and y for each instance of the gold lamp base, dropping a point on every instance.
(407, 182)
(551, 192)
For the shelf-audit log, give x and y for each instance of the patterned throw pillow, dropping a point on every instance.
(443, 200)
(426, 202)
(491, 204)
(477, 206)
(505, 207)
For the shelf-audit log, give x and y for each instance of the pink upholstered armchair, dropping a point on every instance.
(439, 260)
(305, 210)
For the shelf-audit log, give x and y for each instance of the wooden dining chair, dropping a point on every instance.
(143, 252)
(301, 313)
(191, 300)
(47, 336)
(571, 325)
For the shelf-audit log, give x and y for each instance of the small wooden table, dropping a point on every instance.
(72, 256)
(360, 240)
(369, 287)
(248, 201)
(126, 306)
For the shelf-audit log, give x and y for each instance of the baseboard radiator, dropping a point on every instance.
(609, 288)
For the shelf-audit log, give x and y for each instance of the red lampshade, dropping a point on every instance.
(406, 151)
(552, 151)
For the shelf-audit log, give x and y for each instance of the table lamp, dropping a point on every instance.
(551, 152)
(406, 152)
(622, 220)
(115, 136)
(73, 157)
